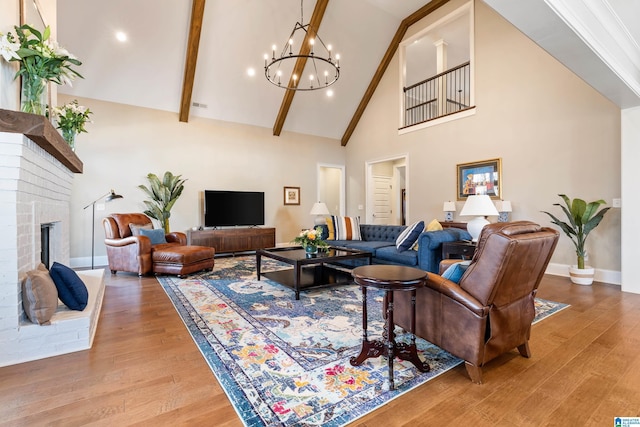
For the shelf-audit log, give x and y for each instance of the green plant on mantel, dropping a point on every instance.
(583, 218)
(163, 195)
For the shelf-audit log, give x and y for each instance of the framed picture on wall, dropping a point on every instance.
(291, 195)
(484, 177)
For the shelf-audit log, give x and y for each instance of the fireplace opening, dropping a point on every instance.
(45, 243)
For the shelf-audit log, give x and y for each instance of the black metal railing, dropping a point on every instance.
(445, 93)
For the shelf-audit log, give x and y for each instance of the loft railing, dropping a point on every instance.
(445, 93)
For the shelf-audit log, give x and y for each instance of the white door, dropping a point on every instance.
(382, 200)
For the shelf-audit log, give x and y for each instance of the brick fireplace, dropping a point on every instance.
(36, 176)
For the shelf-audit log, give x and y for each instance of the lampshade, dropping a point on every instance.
(320, 210)
(478, 206)
(449, 207)
(112, 196)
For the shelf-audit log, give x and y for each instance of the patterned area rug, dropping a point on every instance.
(284, 362)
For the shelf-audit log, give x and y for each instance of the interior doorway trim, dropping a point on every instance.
(341, 185)
(369, 183)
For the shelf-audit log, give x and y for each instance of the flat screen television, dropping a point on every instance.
(231, 208)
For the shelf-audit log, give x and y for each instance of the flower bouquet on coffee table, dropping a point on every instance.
(311, 241)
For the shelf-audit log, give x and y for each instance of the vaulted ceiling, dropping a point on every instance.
(148, 69)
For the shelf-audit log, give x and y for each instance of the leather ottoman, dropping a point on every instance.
(181, 260)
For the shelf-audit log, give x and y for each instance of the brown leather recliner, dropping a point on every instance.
(490, 311)
(136, 254)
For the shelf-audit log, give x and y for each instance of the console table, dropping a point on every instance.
(460, 249)
(234, 239)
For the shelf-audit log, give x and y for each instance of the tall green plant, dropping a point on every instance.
(583, 218)
(163, 195)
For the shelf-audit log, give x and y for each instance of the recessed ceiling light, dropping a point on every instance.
(121, 36)
(251, 72)
(330, 93)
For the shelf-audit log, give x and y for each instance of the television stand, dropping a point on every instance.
(241, 239)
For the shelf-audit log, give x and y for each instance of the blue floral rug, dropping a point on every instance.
(284, 362)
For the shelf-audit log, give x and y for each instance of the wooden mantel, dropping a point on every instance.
(41, 131)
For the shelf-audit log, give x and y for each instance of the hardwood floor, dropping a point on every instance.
(145, 369)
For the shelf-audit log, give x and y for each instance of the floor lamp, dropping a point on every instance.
(111, 195)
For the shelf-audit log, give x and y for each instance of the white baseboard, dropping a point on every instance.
(604, 276)
(85, 262)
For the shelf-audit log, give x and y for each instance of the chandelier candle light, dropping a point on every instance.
(325, 68)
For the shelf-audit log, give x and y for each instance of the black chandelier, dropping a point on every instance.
(325, 68)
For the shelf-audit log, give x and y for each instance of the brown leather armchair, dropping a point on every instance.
(136, 254)
(490, 311)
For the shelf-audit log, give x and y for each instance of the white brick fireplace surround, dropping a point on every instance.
(36, 175)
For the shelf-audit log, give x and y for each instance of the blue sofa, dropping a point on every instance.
(380, 240)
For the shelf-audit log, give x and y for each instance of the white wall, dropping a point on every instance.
(126, 143)
(630, 199)
(554, 133)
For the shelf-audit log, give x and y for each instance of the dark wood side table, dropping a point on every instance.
(462, 249)
(389, 278)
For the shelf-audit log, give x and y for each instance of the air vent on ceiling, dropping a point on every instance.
(199, 105)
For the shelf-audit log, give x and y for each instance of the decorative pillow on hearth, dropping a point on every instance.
(71, 289)
(156, 235)
(39, 296)
(409, 236)
(135, 228)
(345, 227)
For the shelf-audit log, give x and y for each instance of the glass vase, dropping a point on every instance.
(311, 249)
(34, 94)
(69, 136)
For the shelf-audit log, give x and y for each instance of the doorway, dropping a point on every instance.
(331, 187)
(387, 191)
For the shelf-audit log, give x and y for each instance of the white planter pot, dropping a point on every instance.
(581, 276)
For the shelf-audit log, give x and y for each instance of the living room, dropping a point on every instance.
(552, 131)
(553, 122)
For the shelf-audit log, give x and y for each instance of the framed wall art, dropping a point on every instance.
(484, 177)
(291, 195)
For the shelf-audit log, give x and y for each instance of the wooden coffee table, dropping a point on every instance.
(309, 270)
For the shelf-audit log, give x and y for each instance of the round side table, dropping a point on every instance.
(389, 278)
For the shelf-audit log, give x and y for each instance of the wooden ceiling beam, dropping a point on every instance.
(314, 24)
(386, 60)
(191, 60)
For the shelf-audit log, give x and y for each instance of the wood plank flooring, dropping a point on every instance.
(144, 369)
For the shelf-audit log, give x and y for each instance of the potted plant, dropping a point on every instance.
(163, 195)
(583, 218)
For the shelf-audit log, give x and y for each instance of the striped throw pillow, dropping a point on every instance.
(346, 227)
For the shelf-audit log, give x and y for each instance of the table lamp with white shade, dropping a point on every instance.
(449, 208)
(479, 206)
(503, 207)
(319, 210)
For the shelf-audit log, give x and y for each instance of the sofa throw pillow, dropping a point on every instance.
(39, 296)
(331, 228)
(156, 235)
(434, 226)
(455, 271)
(135, 228)
(71, 289)
(345, 227)
(409, 236)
